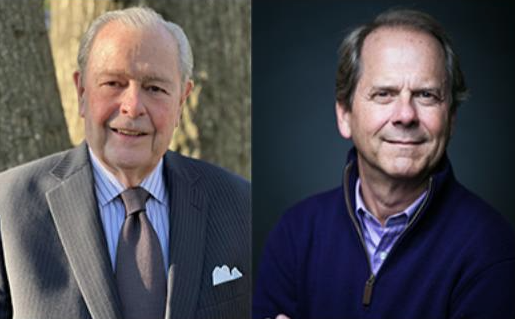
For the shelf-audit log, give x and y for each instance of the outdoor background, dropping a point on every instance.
(38, 50)
(297, 150)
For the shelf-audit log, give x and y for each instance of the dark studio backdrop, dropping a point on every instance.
(297, 150)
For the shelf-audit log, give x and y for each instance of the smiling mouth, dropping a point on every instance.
(128, 132)
(404, 142)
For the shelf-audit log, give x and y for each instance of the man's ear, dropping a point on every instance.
(79, 86)
(186, 91)
(343, 118)
(188, 86)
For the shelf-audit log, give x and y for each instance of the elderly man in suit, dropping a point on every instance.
(120, 227)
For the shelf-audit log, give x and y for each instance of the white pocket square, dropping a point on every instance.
(224, 274)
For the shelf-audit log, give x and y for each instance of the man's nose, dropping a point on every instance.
(405, 111)
(132, 102)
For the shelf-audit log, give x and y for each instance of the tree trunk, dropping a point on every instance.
(31, 118)
(69, 19)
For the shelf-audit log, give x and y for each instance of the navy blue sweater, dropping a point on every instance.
(456, 259)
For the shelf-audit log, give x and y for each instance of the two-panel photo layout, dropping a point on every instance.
(237, 159)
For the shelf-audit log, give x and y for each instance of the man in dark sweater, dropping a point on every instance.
(401, 238)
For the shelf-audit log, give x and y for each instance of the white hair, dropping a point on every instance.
(141, 17)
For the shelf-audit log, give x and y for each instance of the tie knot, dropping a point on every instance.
(134, 199)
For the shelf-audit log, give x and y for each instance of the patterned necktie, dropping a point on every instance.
(140, 276)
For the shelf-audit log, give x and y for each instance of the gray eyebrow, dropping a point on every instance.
(155, 78)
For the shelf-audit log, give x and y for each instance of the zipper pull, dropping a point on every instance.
(369, 286)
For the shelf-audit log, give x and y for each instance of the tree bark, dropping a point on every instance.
(31, 118)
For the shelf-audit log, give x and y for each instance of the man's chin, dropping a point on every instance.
(128, 160)
(130, 164)
(404, 169)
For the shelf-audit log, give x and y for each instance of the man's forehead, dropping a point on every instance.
(156, 35)
(129, 51)
(398, 80)
(143, 75)
(396, 49)
(400, 37)
(134, 41)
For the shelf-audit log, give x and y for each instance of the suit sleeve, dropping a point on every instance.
(275, 290)
(5, 296)
(490, 294)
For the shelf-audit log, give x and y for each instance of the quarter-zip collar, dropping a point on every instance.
(442, 174)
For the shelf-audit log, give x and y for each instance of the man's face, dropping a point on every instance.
(130, 96)
(400, 120)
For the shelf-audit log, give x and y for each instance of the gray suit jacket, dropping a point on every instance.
(54, 261)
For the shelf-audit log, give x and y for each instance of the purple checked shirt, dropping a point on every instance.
(378, 239)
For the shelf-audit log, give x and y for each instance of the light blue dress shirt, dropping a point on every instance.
(112, 210)
(378, 239)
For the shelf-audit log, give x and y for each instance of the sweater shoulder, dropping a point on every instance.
(481, 229)
(315, 208)
(479, 214)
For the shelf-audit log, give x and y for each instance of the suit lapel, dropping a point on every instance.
(188, 218)
(73, 206)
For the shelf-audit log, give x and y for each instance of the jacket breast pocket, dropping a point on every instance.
(233, 294)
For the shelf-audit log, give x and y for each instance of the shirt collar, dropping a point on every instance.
(108, 187)
(408, 212)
